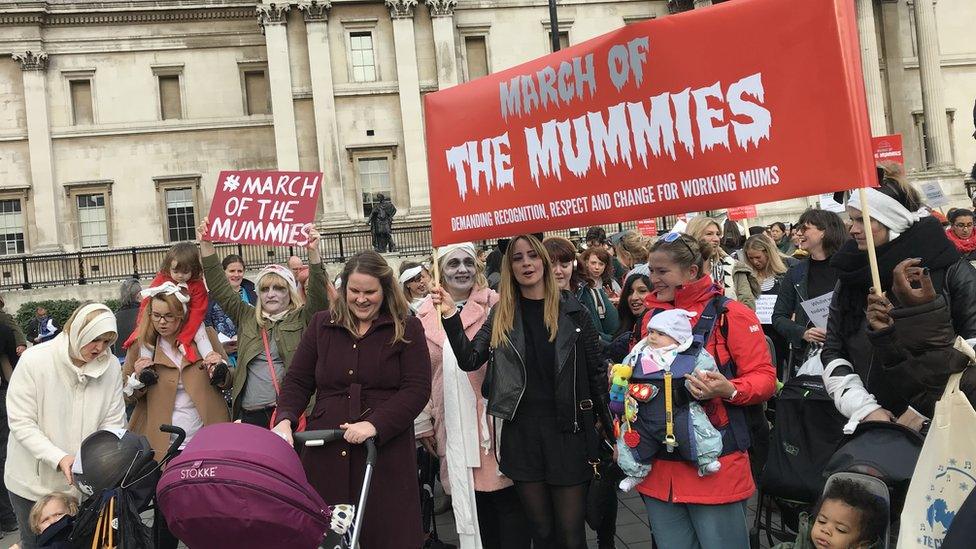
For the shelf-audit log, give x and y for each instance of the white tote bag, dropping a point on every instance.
(945, 474)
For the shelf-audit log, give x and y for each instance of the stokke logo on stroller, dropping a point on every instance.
(198, 472)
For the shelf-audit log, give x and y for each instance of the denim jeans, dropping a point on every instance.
(694, 526)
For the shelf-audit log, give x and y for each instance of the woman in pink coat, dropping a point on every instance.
(485, 502)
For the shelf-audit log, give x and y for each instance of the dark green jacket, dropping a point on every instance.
(287, 332)
(9, 321)
(608, 325)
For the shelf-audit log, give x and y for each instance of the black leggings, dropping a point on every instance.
(501, 520)
(555, 513)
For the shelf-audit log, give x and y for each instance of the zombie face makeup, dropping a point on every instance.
(459, 272)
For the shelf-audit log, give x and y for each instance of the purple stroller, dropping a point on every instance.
(241, 486)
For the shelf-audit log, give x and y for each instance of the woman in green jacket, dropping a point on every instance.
(267, 334)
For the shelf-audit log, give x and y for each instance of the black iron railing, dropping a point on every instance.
(116, 264)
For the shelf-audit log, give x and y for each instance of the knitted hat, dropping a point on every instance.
(675, 323)
(283, 272)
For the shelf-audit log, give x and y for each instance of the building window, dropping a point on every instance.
(257, 98)
(563, 40)
(924, 143)
(374, 179)
(82, 112)
(180, 214)
(92, 220)
(362, 56)
(11, 227)
(476, 56)
(170, 99)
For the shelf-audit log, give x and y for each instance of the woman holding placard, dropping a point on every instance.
(861, 391)
(269, 331)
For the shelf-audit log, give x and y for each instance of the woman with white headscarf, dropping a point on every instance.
(415, 280)
(486, 507)
(61, 391)
(853, 364)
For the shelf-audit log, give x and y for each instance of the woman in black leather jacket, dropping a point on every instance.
(853, 372)
(546, 382)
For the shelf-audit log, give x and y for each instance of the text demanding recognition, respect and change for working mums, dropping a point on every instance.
(616, 134)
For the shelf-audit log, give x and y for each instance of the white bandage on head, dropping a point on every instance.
(466, 247)
(283, 272)
(850, 396)
(410, 274)
(886, 210)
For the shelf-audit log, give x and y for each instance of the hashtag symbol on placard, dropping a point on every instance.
(232, 183)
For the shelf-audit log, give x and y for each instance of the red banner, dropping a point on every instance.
(741, 103)
(742, 212)
(888, 148)
(267, 207)
(647, 227)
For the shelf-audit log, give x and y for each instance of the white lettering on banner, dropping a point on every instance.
(817, 309)
(285, 185)
(282, 233)
(765, 304)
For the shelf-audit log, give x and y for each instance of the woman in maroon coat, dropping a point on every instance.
(366, 359)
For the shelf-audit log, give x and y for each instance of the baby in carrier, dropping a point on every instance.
(649, 419)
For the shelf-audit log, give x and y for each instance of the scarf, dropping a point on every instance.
(84, 330)
(964, 246)
(888, 211)
(924, 240)
(409, 274)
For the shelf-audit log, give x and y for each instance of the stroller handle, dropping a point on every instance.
(321, 437)
(177, 442)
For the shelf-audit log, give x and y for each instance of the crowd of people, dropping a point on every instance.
(540, 377)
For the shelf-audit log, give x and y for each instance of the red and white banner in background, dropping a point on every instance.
(741, 103)
(888, 148)
(264, 207)
(647, 227)
(742, 212)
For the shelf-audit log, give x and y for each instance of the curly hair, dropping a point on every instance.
(872, 509)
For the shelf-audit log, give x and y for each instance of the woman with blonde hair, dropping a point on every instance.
(631, 249)
(268, 332)
(61, 391)
(366, 360)
(546, 384)
(760, 273)
(458, 429)
(718, 264)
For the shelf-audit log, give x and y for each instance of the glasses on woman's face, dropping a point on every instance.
(168, 317)
(963, 225)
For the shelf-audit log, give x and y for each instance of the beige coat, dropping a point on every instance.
(154, 406)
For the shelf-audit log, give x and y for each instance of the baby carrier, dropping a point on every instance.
(665, 420)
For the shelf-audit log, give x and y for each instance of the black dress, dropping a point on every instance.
(533, 448)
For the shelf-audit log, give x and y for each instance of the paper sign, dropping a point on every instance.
(264, 207)
(742, 212)
(828, 203)
(817, 309)
(934, 197)
(888, 148)
(636, 124)
(647, 227)
(765, 304)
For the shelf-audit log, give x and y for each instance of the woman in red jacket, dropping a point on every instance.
(686, 510)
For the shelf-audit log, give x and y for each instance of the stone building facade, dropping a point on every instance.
(117, 115)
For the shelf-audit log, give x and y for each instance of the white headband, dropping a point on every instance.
(888, 211)
(83, 332)
(465, 247)
(283, 272)
(409, 274)
(167, 288)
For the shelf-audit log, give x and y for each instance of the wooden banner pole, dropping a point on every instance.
(869, 236)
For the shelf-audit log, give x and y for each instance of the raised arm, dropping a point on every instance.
(318, 279)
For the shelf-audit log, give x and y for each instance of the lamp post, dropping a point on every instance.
(553, 25)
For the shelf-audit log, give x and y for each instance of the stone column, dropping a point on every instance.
(442, 19)
(272, 18)
(47, 203)
(933, 93)
(408, 82)
(323, 102)
(871, 66)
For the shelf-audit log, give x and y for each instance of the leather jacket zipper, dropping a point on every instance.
(525, 376)
(575, 396)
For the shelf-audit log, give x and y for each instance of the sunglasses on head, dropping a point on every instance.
(671, 237)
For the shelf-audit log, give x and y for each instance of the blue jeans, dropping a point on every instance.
(695, 526)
